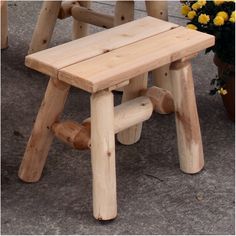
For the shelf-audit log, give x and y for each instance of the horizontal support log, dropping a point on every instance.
(126, 115)
(72, 133)
(162, 99)
(65, 10)
(91, 17)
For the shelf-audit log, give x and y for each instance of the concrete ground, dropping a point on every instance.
(154, 196)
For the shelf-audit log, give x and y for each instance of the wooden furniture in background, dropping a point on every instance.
(4, 25)
(98, 66)
(83, 15)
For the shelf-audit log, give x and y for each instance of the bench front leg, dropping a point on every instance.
(41, 137)
(186, 116)
(103, 156)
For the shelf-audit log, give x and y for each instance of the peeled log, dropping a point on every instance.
(72, 133)
(162, 99)
(126, 115)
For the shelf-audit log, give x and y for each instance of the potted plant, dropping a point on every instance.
(217, 18)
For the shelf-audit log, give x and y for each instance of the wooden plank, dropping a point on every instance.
(106, 70)
(51, 60)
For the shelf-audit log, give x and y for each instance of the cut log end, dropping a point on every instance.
(72, 133)
(162, 99)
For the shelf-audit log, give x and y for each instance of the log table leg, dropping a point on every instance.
(4, 25)
(159, 9)
(45, 25)
(186, 116)
(124, 12)
(103, 156)
(132, 134)
(80, 29)
(41, 137)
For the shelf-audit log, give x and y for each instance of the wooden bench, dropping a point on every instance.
(118, 57)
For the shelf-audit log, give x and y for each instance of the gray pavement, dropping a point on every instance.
(154, 196)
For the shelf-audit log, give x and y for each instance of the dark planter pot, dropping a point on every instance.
(228, 71)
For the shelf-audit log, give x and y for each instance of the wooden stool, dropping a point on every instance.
(132, 50)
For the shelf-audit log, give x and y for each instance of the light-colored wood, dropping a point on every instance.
(45, 24)
(119, 86)
(41, 137)
(103, 156)
(65, 10)
(80, 28)
(124, 12)
(4, 24)
(162, 99)
(51, 60)
(125, 115)
(92, 17)
(186, 116)
(111, 68)
(72, 133)
(159, 9)
(131, 91)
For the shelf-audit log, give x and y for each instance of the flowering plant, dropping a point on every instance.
(216, 18)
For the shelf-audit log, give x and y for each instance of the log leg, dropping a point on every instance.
(186, 116)
(45, 26)
(124, 12)
(41, 137)
(80, 29)
(159, 9)
(4, 25)
(103, 156)
(131, 91)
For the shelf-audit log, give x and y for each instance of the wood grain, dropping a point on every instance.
(186, 117)
(114, 67)
(50, 61)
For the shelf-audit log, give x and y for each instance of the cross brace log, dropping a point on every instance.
(125, 115)
(92, 17)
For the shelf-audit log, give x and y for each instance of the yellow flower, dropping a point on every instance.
(203, 19)
(232, 17)
(196, 6)
(222, 91)
(202, 2)
(223, 14)
(218, 21)
(185, 10)
(191, 15)
(218, 2)
(191, 26)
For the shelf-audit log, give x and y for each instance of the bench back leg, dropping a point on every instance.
(131, 91)
(103, 156)
(41, 137)
(186, 116)
(159, 9)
